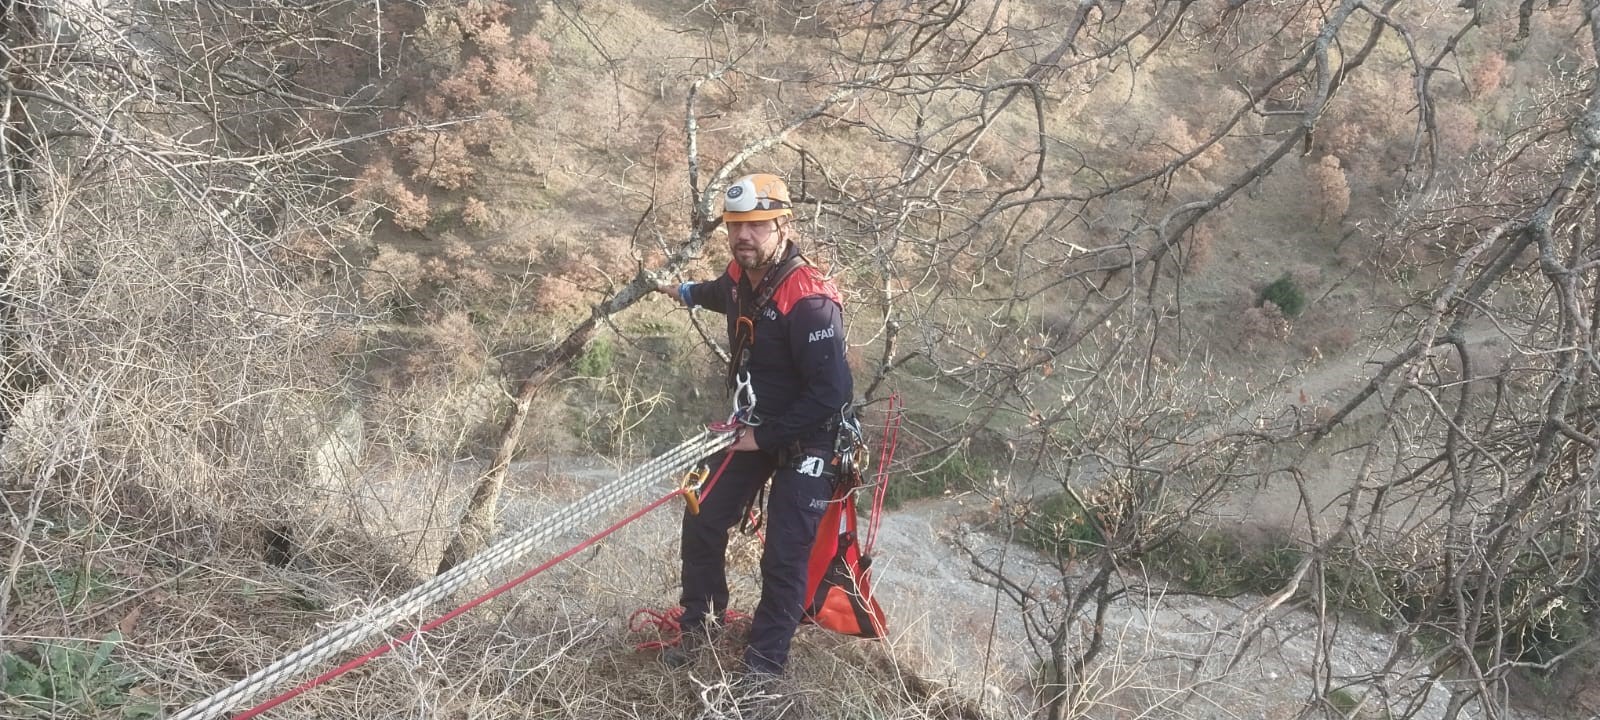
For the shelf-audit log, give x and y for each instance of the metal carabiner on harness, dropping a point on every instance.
(850, 449)
(744, 400)
(849, 438)
(690, 487)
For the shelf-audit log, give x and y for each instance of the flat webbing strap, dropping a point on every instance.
(774, 280)
(744, 325)
(602, 500)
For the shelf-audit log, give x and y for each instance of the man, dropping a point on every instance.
(786, 335)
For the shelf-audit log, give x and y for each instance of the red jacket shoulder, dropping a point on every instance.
(807, 281)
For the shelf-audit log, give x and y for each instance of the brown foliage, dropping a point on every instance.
(476, 213)
(1332, 189)
(1369, 117)
(1488, 73)
(440, 159)
(1201, 247)
(1457, 126)
(410, 209)
(1264, 322)
(393, 271)
(1172, 138)
(483, 74)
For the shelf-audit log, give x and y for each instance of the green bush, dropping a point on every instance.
(596, 360)
(71, 678)
(1287, 295)
(1222, 564)
(1553, 631)
(1062, 527)
(933, 478)
(1343, 701)
(1376, 591)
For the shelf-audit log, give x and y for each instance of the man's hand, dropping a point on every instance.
(670, 290)
(745, 441)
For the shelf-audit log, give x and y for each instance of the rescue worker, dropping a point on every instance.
(786, 331)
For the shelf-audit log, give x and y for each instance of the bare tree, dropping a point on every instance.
(995, 268)
(175, 294)
(1012, 218)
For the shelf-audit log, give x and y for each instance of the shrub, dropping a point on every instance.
(410, 209)
(1457, 128)
(1202, 246)
(1061, 526)
(596, 360)
(1266, 321)
(1554, 631)
(1488, 73)
(393, 272)
(1223, 564)
(1286, 294)
(72, 677)
(935, 476)
(1332, 189)
(476, 213)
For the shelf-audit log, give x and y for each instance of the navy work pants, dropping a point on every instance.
(794, 507)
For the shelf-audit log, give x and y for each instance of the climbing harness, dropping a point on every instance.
(849, 446)
(839, 573)
(744, 317)
(671, 464)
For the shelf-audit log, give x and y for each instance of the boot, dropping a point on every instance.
(690, 640)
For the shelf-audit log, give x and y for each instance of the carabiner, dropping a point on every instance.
(744, 400)
(744, 332)
(690, 487)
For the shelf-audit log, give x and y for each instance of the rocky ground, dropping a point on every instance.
(1168, 656)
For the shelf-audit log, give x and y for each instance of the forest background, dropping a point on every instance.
(1288, 307)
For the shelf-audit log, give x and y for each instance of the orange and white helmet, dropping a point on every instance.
(756, 197)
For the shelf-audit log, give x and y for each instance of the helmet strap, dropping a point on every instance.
(777, 254)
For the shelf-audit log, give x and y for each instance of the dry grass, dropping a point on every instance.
(194, 617)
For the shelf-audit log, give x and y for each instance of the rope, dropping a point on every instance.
(666, 623)
(502, 553)
(891, 440)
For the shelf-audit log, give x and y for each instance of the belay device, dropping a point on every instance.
(839, 575)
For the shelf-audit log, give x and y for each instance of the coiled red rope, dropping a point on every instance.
(666, 624)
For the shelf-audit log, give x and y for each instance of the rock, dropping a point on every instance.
(34, 429)
(336, 455)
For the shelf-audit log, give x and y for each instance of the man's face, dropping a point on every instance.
(755, 244)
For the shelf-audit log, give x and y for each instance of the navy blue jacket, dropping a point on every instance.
(797, 363)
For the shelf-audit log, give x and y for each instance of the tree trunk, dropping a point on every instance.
(19, 140)
(483, 510)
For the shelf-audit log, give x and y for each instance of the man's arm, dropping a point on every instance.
(711, 295)
(816, 346)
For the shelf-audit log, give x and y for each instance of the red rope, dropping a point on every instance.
(666, 623)
(481, 599)
(711, 483)
(891, 440)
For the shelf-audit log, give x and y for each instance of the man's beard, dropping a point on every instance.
(762, 263)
